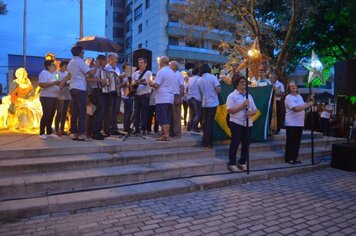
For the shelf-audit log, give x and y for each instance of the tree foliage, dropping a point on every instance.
(3, 9)
(287, 29)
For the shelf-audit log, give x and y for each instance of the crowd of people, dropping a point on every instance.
(93, 89)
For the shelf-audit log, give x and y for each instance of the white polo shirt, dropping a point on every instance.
(281, 89)
(193, 88)
(179, 79)
(51, 91)
(78, 70)
(294, 118)
(234, 100)
(207, 84)
(143, 89)
(165, 80)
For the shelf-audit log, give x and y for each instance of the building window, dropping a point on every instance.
(146, 43)
(138, 12)
(173, 41)
(140, 45)
(118, 33)
(128, 26)
(128, 9)
(128, 42)
(147, 4)
(146, 23)
(140, 28)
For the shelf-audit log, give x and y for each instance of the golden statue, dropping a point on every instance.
(21, 109)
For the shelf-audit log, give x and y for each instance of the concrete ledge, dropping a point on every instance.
(87, 199)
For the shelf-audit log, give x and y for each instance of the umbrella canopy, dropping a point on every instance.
(98, 44)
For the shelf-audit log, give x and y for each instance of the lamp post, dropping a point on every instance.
(81, 19)
(24, 33)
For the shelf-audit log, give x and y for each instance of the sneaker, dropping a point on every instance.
(242, 167)
(53, 135)
(233, 168)
(74, 136)
(43, 136)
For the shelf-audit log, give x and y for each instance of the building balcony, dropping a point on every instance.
(181, 30)
(196, 54)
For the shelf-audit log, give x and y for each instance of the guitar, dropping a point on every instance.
(134, 85)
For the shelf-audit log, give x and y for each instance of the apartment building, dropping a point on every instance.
(155, 25)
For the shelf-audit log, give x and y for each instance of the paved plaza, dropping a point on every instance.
(315, 203)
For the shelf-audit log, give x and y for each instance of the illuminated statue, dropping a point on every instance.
(21, 109)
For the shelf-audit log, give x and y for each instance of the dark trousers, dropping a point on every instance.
(185, 111)
(61, 116)
(98, 117)
(128, 107)
(141, 104)
(324, 126)
(112, 101)
(78, 108)
(294, 137)
(194, 114)
(48, 109)
(280, 114)
(207, 123)
(239, 135)
(151, 114)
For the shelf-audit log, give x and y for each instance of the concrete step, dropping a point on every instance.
(53, 182)
(23, 166)
(65, 146)
(126, 193)
(278, 145)
(49, 183)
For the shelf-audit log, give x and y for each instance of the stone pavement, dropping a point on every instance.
(315, 203)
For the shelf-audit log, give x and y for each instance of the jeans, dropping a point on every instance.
(99, 112)
(48, 109)
(79, 106)
(324, 126)
(239, 135)
(128, 107)
(141, 109)
(62, 109)
(194, 114)
(294, 137)
(207, 123)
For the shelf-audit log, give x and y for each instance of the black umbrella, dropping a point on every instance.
(98, 44)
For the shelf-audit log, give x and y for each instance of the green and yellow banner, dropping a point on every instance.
(262, 97)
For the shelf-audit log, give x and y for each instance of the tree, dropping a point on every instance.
(274, 22)
(3, 9)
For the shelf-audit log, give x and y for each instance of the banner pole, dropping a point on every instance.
(247, 128)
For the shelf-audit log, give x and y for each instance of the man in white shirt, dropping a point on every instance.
(78, 90)
(209, 87)
(279, 95)
(194, 101)
(175, 129)
(325, 118)
(140, 80)
(165, 86)
(113, 106)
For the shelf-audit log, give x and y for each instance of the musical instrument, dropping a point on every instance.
(111, 81)
(134, 84)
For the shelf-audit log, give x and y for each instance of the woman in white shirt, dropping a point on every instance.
(294, 122)
(48, 98)
(239, 109)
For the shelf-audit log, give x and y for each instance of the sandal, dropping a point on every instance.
(163, 139)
